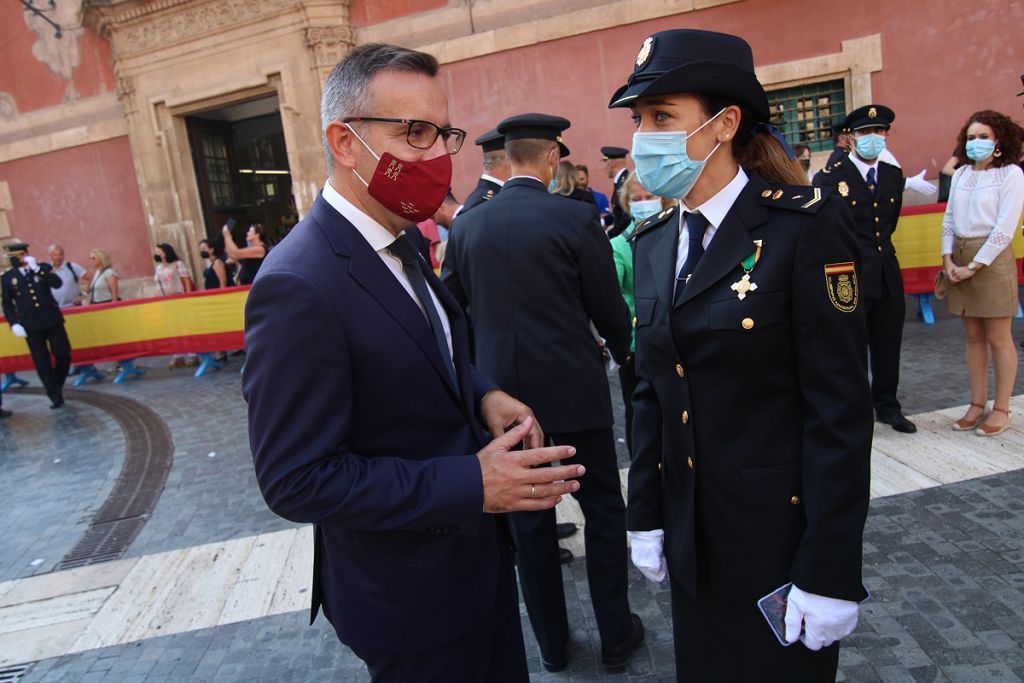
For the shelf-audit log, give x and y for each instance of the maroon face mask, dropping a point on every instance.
(410, 189)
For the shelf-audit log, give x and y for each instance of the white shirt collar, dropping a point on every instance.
(715, 209)
(619, 174)
(377, 235)
(863, 166)
(531, 177)
(500, 183)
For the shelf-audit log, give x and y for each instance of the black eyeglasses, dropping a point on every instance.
(423, 134)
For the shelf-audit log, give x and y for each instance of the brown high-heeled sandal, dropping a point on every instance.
(965, 425)
(985, 430)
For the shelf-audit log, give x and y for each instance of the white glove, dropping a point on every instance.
(648, 554)
(30, 262)
(919, 184)
(825, 620)
(18, 331)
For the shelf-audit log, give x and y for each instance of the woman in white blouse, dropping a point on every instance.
(983, 213)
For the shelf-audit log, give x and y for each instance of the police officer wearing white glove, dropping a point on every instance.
(752, 425)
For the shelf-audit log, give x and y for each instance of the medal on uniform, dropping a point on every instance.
(745, 284)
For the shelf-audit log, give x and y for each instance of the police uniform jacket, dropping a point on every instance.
(875, 218)
(620, 219)
(27, 299)
(752, 426)
(484, 191)
(535, 269)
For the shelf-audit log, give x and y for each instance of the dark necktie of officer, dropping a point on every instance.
(871, 180)
(696, 224)
(404, 250)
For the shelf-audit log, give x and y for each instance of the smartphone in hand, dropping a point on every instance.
(773, 607)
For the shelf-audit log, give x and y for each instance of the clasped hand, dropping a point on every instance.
(959, 273)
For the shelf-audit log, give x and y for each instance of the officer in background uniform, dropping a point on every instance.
(495, 173)
(535, 269)
(873, 190)
(33, 314)
(614, 159)
(752, 412)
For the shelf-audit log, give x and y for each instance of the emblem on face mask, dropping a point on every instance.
(409, 208)
(394, 168)
(645, 52)
(841, 282)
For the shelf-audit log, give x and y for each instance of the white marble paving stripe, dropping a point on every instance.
(249, 578)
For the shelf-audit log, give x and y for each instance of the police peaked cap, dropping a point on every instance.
(16, 247)
(535, 127)
(869, 116)
(614, 152)
(688, 61)
(491, 141)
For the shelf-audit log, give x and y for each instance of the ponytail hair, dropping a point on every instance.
(755, 149)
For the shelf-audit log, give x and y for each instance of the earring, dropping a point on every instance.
(998, 153)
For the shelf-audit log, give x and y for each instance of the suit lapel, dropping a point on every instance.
(731, 243)
(662, 260)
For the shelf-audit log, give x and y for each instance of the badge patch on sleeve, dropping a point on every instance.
(841, 282)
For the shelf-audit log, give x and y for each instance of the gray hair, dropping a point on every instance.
(494, 159)
(346, 93)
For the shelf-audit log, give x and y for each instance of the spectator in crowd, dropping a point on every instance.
(69, 273)
(103, 283)
(250, 257)
(173, 277)
(803, 155)
(217, 274)
(600, 198)
(743, 293)
(496, 170)
(566, 183)
(435, 229)
(614, 159)
(985, 201)
(34, 316)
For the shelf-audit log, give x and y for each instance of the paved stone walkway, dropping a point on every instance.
(945, 565)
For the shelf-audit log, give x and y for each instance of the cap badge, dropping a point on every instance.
(872, 113)
(645, 52)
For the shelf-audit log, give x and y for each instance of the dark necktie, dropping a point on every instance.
(871, 180)
(696, 224)
(402, 248)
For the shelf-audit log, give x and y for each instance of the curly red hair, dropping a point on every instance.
(1008, 134)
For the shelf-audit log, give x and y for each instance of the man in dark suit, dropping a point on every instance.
(873, 190)
(33, 315)
(364, 413)
(496, 170)
(536, 270)
(614, 159)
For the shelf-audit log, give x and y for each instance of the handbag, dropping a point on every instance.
(941, 284)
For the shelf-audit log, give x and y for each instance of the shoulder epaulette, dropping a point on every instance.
(806, 198)
(489, 195)
(657, 220)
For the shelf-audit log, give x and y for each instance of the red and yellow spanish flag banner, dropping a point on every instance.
(198, 322)
(918, 242)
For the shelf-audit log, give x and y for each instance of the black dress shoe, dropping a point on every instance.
(565, 530)
(56, 402)
(899, 423)
(618, 656)
(556, 665)
(564, 556)
(5, 413)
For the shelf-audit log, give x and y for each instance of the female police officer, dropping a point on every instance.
(752, 427)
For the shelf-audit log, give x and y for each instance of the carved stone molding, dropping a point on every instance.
(329, 44)
(126, 93)
(8, 107)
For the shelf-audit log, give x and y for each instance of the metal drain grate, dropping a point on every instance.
(102, 543)
(13, 674)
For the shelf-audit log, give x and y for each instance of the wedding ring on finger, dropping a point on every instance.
(533, 490)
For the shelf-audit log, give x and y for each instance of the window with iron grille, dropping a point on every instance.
(809, 114)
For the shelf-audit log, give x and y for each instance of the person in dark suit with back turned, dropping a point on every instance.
(496, 170)
(873, 190)
(752, 414)
(34, 315)
(364, 413)
(614, 159)
(536, 270)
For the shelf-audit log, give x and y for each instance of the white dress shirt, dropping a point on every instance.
(863, 166)
(380, 238)
(984, 204)
(714, 210)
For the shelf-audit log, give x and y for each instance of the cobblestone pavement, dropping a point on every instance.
(945, 566)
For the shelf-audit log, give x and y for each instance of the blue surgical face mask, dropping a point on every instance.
(551, 187)
(662, 164)
(644, 209)
(870, 146)
(980, 149)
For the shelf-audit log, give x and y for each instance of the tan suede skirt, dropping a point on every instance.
(992, 291)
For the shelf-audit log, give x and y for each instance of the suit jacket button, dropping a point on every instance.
(685, 417)
(876, 205)
(892, 200)
(689, 463)
(879, 247)
(877, 219)
(877, 234)
(748, 323)
(853, 202)
(795, 500)
(634, 321)
(679, 370)
(659, 467)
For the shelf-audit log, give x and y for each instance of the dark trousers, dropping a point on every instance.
(491, 652)
(51, 354)
(885, 338)
(627, 379)
(540, 573)
(722, 642)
